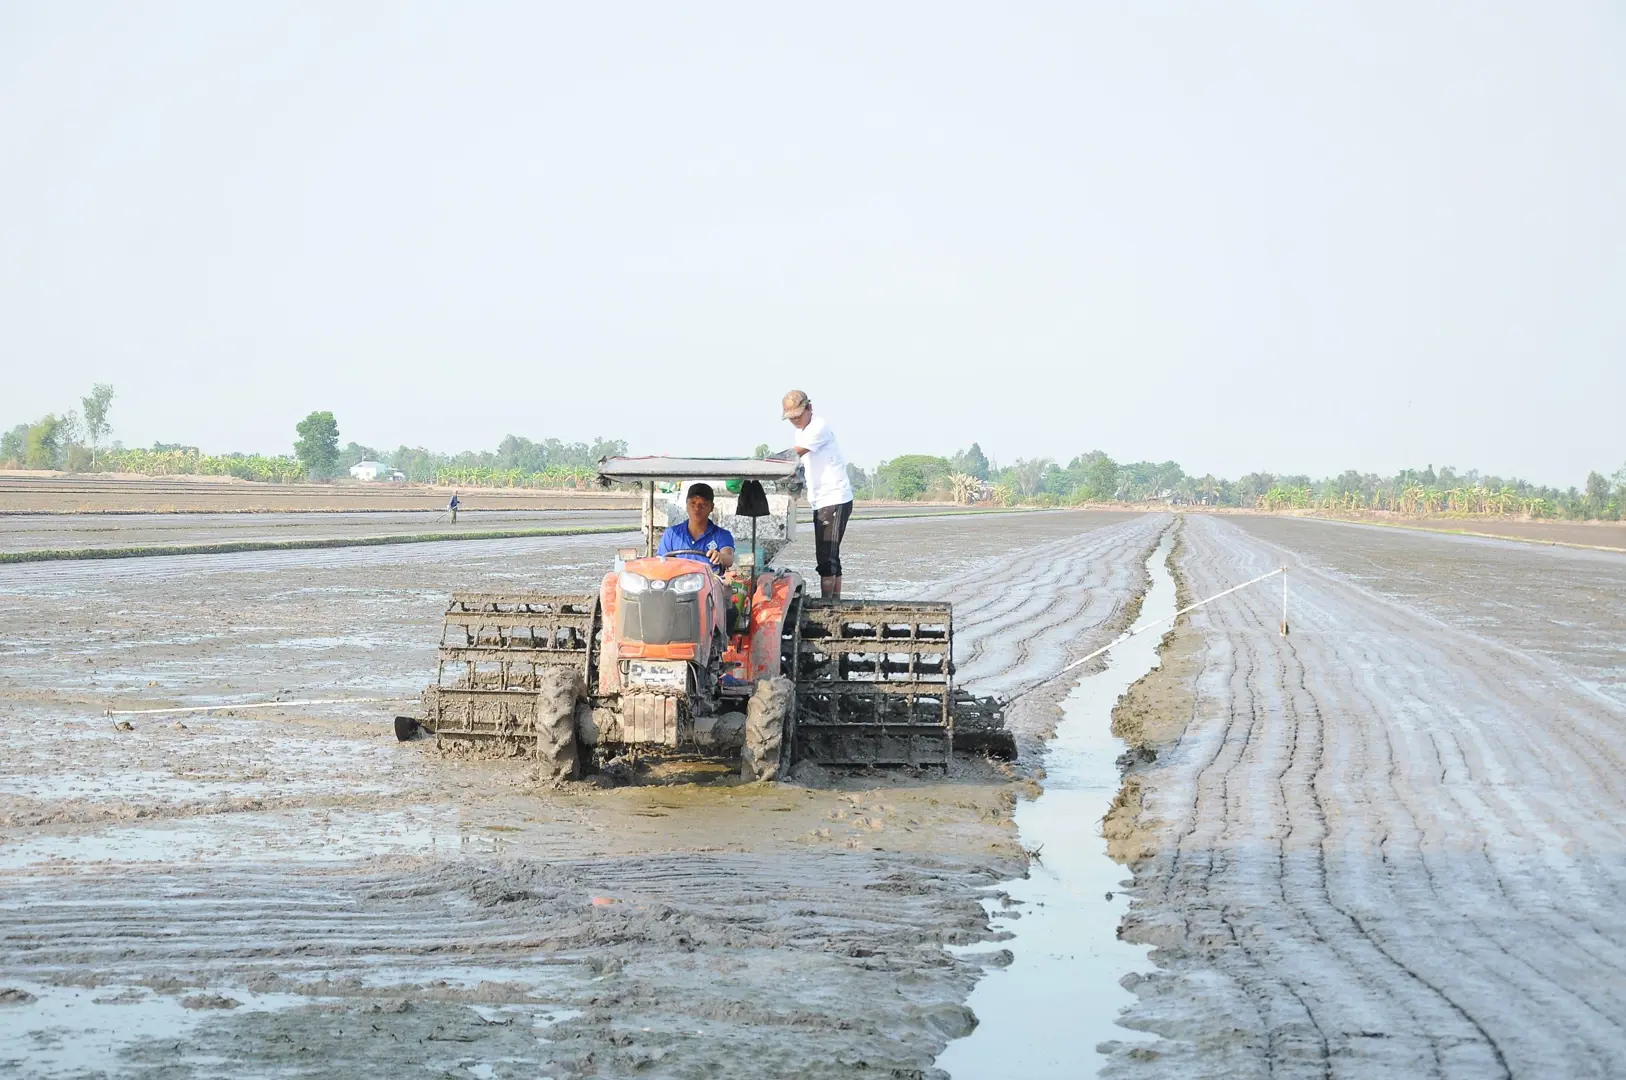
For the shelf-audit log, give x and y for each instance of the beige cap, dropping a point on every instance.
(795, 404)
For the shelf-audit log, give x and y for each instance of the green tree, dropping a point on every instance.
(601, 448)
(911, 475)
(44, 445)
(14, 446)
(1597, 489)
(856, 476)
(972, 462)
(1029, 473)
(1252, 486)
(354, 452)
(96, 406)
(761, 452)
(318, 443)
(518, 452)
(1101, 476)
(417, 464)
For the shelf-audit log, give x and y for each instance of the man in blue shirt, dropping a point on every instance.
(699, 538)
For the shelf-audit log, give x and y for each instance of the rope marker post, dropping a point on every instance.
(1284, 601)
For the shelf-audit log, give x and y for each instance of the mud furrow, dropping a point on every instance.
(1013, 629)
(1432, 815)
(1469, 957)
(231, 852)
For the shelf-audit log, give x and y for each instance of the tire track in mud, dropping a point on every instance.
(191, 921)
(1492, 877)
(1295, 718)
(798, 961)
(1403, 792)
(824, 964)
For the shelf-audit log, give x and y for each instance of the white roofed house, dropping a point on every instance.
(370, 470)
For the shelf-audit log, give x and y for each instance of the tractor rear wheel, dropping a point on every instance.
(765, 716)
(558, 751)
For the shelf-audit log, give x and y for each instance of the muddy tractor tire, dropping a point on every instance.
(558, 751)
(765, 717)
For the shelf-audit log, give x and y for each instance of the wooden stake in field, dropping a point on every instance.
(1284, 601)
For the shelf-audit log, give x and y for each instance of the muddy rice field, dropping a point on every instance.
(111, 494)
(1389, 844)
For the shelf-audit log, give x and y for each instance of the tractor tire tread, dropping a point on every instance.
(765, 717)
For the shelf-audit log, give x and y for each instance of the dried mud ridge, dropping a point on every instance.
(1384, 846)
(624, 931)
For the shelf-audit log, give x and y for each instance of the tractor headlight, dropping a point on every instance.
(689, 583)
(633, 583)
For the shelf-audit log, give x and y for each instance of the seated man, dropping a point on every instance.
(699, 538)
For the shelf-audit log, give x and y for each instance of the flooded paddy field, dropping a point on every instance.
(79, 532)
(1393, 842)
(1390, 843)
(31, 492)
(1609, 535)
(37, 532)
(292, 891)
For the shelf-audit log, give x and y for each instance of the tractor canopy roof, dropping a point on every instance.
(658, 467)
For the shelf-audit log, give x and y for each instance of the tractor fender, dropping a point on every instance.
(768, 611)
(609, 656)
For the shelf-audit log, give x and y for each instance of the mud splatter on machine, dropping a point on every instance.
(670, 655)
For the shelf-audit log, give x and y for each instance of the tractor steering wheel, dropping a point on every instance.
(691, 551)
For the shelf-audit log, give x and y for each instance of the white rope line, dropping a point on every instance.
(1121, 638)
(255, 705)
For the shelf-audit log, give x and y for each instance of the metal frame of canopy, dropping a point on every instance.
(645, 471)
(660, 467)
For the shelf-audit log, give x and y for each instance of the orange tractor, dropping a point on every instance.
(669, 656)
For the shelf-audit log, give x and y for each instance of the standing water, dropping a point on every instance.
(1044, 1014)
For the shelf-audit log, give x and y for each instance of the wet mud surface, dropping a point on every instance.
(1604, 534)
(78, 532)
(1393, 843)
(28, 492)
(1042, 1016)
(293, 892)
(34, 532)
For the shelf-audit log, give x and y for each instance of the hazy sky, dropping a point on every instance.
(1293, 237)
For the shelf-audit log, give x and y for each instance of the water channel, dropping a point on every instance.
(1044, 1014)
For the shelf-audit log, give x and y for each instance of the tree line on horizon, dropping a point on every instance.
(1096, 478)
(73, 442)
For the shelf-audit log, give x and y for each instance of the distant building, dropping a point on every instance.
(371, 470)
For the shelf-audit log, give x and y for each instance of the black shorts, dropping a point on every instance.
(829, 526)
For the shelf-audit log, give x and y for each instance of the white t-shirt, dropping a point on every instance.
(824, 464)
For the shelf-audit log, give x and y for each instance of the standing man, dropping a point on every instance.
(828, 489)
(451, 507)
